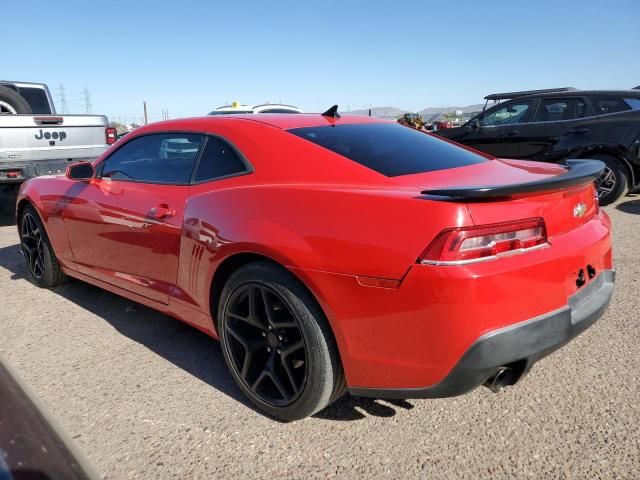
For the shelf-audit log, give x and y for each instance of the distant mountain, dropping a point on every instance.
(392, 113)
(389, 113)
(468, 109)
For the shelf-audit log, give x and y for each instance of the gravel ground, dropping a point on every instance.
(147, 397)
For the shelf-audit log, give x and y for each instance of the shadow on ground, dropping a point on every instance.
(350, 408)
(6, 214)
(630, 206)
(182, 345)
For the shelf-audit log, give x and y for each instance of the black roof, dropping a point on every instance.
(509, 95)
(566, 91)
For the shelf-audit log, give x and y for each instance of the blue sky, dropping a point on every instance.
(190, 57)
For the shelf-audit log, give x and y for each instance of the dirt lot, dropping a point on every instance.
(147, 397)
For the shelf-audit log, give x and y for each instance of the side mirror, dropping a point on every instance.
(80, 171)
(474, 123)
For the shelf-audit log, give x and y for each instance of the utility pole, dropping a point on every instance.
(146, 118)
(63, 98)
(87, 100)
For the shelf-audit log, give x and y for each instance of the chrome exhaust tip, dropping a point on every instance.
(503, 377)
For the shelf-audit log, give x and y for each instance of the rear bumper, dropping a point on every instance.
(414, 335)
(525, 342)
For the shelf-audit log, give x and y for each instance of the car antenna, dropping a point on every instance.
(332, 112)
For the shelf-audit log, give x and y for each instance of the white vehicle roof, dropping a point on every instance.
(237, 107)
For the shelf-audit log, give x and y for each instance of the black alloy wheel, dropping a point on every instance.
(277, 342)
(32, 240)
(42, 264)
(613, 182)
(266, 346)
(606, 183)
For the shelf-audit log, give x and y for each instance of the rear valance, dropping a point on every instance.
(579, 172)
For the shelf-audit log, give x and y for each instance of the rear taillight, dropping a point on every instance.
(484, 242)
(111, 135)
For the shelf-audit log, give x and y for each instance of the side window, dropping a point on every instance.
(556, 109)
(157, 158)
(634, 103)
(604, 105)
(513, 112)
(218, 160)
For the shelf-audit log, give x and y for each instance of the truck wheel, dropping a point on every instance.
(12, 102)
(613, 182)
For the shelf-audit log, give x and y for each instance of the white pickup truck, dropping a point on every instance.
(35, 141)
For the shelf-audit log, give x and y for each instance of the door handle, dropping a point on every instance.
(162, 211)
(578, 130)
(511, 133)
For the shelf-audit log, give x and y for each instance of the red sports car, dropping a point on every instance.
(332, 253)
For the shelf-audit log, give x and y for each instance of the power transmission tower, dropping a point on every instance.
(86, 96)
(62, 98)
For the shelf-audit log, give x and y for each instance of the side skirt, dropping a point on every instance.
(180, 311)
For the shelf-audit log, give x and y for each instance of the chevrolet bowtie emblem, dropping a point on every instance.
(579, 210)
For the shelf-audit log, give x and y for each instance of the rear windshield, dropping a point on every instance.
(389, 148)
(37, 99)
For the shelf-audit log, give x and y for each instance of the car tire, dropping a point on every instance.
(42, 264)
(614, 181)
(12, 102)
(277, 343)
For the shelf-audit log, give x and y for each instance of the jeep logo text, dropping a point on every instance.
(50, 135)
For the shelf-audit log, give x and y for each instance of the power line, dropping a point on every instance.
(86, 97)
(62, 99)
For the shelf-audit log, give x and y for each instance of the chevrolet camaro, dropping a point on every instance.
(333, 253)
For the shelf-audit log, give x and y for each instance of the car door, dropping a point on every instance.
(499, 128)
(124, 225)
(562, 126)
(495, 131)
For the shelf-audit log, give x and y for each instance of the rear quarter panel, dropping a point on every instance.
(619, 134)
(348, 231)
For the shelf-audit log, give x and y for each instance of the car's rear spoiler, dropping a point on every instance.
(579, 172)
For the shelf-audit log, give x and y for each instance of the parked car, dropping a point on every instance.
(333, 253)
(556, 124)
(238, 108)
(35, 140)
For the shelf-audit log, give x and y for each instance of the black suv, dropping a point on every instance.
(556, 124)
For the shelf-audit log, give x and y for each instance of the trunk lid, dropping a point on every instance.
(563, 208)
